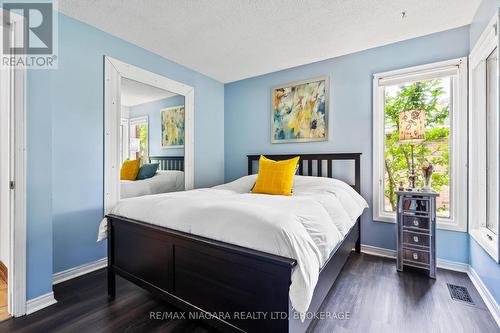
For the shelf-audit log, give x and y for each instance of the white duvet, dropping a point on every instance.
(163, 181)
(306, 226)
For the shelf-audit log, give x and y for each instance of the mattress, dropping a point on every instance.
(307, 226)
(163, 181)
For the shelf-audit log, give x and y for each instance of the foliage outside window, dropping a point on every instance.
(139, 130)
(433, 96)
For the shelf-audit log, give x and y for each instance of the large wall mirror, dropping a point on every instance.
(148, 133)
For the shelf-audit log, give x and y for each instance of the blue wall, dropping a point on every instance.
(152, 111)
(482, 17)
(65, 146)
(487, 269)
(247, 118)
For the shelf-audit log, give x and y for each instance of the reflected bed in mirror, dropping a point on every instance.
(169, 177)
(151, 140)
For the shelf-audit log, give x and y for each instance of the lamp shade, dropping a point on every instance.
(412, 126)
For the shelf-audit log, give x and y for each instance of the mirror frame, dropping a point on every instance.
(114, 71)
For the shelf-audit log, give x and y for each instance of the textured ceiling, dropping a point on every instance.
(231, 40)
(134, 93)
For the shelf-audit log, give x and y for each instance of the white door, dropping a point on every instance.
(13, 175)
(6, 164)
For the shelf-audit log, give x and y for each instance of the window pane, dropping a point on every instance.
(433, 96)
(491, 146)
(139, 140)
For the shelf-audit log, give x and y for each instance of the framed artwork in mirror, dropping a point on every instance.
(172, 127)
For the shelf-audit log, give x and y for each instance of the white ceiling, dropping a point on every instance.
(231, 40)
(134, 93)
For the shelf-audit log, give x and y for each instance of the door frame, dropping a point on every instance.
(114, 70)
(13, 113)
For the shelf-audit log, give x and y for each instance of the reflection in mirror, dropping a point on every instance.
(151, 140)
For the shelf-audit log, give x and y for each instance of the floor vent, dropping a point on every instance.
(459, 293)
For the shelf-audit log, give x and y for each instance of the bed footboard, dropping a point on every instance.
(202, 276)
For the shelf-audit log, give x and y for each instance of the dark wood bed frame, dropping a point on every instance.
(218, 282)
(168, 162)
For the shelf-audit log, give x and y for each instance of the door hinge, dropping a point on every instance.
(12, 185)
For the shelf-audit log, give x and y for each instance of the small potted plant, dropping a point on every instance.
(427, 169)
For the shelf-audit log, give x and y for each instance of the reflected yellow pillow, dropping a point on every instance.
(275, 177)
(130, 169)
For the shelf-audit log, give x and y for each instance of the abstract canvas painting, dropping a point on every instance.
(172, 127)
(300, 111)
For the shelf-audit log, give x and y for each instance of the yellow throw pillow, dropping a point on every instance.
(275, 177)
(130, 169)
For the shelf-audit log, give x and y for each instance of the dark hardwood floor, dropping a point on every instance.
(377, 298)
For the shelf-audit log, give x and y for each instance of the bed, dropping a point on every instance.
(239, 283)
(168, 178)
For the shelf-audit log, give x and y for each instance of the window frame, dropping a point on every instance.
(478, 164)
(133, 121)
(458, 162)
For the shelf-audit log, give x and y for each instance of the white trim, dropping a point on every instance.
(480, 235)
(378, 251)
(17, 201)
(479, 159)
(458, 161)
(485, 294)
(452, 265)
(481, 288)
(388, 253)
(40, 302)
(114, 71)
(79, 270)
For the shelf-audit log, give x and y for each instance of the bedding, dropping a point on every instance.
(163, 181)
(306, 226)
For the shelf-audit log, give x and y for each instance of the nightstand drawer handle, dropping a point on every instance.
(415, 256)
(415, 239)
(415, 223)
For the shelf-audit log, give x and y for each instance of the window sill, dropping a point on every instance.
(480, 235)
(442, 224)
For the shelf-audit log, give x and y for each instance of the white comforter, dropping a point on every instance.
(306, 226)
(163, 181)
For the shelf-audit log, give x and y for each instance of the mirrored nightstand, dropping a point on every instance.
(416, 236)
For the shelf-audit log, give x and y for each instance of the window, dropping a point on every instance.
(124, 140)
(139, 139)
(484, 141)
(491, 139)
(440, 90)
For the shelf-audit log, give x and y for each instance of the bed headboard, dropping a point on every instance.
(168, 162)
(308, 159)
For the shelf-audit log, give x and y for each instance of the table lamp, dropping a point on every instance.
(412, 131)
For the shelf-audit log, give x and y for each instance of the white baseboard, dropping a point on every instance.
(488, 299)
(452, 265)
(378, 251)
(79, 270)
(40, 302)
(483, 291)
(441, 263)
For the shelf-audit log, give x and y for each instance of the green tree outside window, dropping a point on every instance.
(434, 97)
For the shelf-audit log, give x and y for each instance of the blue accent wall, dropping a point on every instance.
(247, 118)
(483, 15)
(152, 111)
(38, 184)
(484, 265)
(65, 146)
